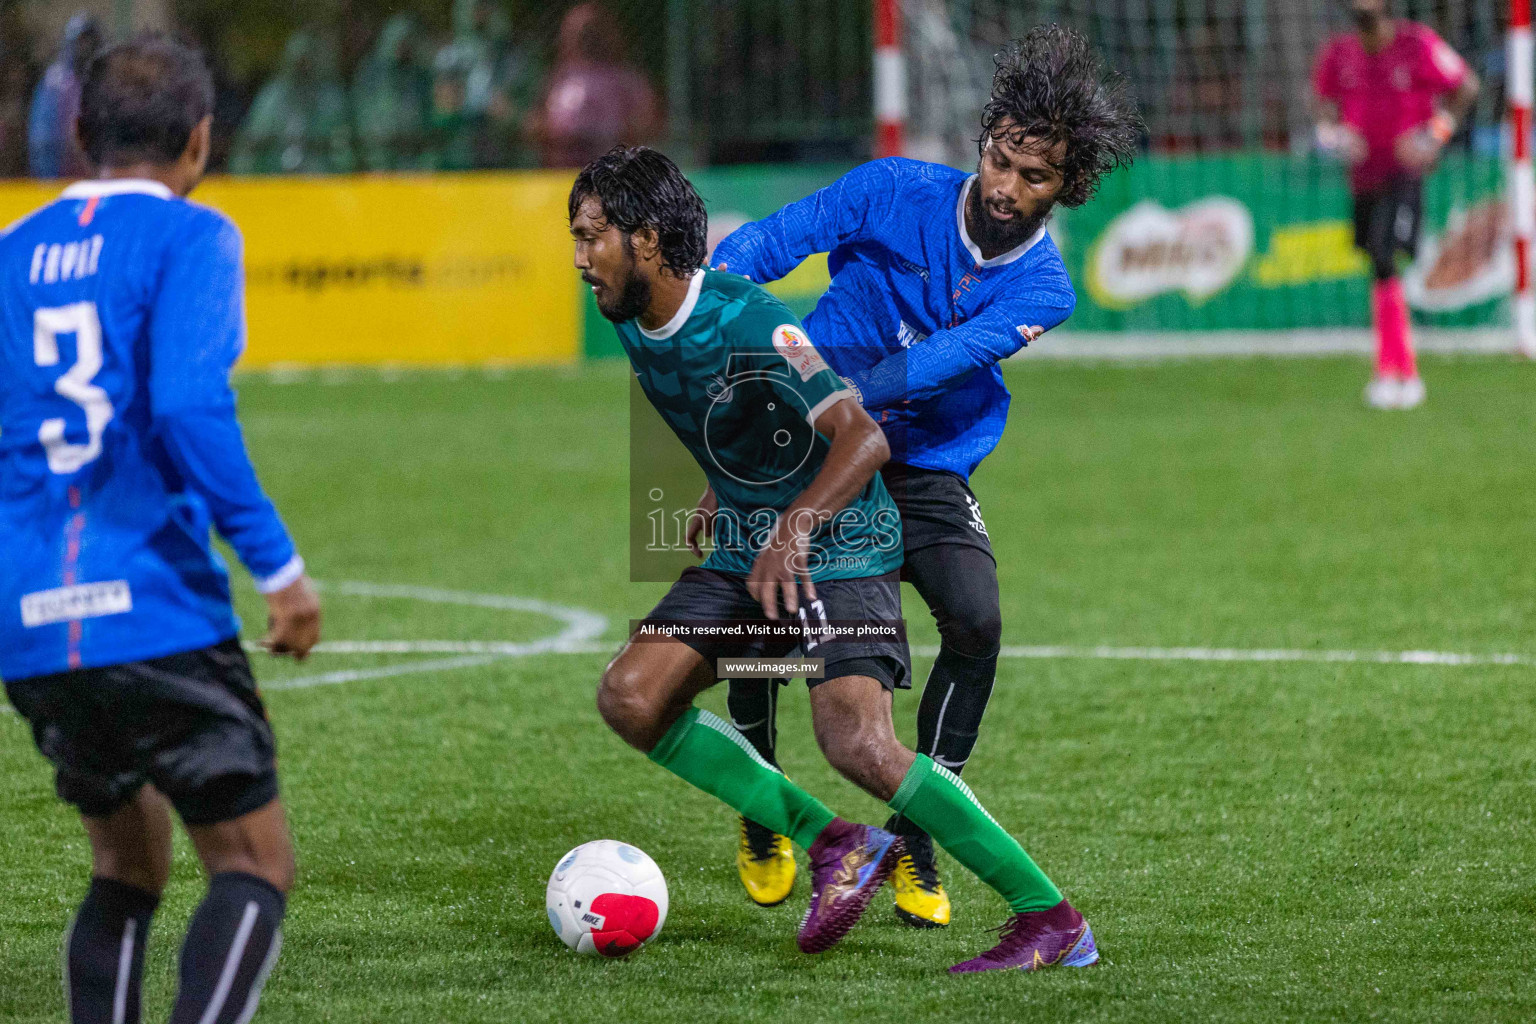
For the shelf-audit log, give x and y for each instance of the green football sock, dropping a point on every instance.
(707, 751)
(934, 798)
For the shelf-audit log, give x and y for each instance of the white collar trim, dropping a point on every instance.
(101, 187)
(683, 312)
(975, 250)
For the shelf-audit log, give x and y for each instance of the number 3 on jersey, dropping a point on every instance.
(79, 319)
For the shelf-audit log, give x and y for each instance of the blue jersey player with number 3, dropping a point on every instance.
(936, 276)
(121, 315)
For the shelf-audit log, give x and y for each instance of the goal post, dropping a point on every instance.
(1518, 88)
(890, 80)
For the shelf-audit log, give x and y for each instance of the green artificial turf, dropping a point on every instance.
(1272, 841)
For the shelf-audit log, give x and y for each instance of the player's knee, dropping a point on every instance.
(141, 868)
(627, 707)
(282, 870)
(975, 631)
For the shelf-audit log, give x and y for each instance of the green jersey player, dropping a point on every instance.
(735, 377)
(804, 527)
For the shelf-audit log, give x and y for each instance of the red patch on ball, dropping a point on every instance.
(627, 922)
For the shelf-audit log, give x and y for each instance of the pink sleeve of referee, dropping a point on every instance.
(1440, 68)
(1325, 79)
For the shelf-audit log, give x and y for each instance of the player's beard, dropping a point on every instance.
(996, 236)
(633, 298)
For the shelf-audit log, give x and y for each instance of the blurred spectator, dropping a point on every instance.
(15, 90)
(595, 99)
(392, 101)
(483, 85)
(298, 123)
(52, 148)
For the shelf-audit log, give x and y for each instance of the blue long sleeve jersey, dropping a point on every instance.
(121, 316)
(915, 318)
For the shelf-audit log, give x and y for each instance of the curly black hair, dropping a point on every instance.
(640, 187)
(1050, 87)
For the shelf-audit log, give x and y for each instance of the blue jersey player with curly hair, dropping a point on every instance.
(937, 275)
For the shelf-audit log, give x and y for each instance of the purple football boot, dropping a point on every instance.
(1039, 938)
(849, 864)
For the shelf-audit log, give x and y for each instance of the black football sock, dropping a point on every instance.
(959, 583)
(754, 708)
(104, 953)
(954, 701)
(949, 717)
(231, 946)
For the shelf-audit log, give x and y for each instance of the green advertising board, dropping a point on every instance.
(1243, 241)
(1265, 242)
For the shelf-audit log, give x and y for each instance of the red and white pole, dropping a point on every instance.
(891, 79)
(1519, 88)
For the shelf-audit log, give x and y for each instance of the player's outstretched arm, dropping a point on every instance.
(948, 356)
(853, 207)
(858, 450)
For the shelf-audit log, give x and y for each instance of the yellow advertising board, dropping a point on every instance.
(405, 270)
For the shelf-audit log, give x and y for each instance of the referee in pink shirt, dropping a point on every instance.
(1390, 95)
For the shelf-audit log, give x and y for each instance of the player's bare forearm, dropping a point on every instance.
(857, 451)
(701, 522)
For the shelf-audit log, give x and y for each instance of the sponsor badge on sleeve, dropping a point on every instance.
(790, 342)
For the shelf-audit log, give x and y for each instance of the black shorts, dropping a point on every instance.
(1387, 223)
(704, 596)
(937, 507)
(192, 724)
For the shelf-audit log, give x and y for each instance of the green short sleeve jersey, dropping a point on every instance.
(735, 377)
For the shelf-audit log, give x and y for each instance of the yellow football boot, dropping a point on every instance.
(765, 863)
(920, 900)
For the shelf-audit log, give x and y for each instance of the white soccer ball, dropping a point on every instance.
(606, 897)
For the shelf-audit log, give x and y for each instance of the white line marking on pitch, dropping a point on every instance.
(581, 627)
(576, 639)
(384, 672)
(1240, 654)
(504, 649)
(495, 648)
